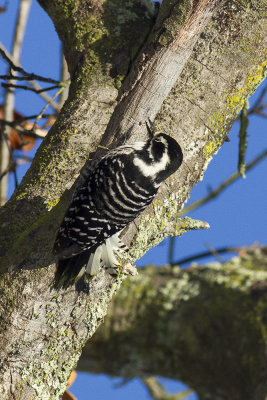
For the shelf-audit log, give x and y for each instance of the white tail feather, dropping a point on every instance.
(104, 255)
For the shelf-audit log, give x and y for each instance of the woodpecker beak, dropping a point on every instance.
(150, 128)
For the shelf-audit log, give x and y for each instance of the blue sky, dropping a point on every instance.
(238, 217)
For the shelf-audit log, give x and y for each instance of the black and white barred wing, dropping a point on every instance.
(111, 197)
(78, 230)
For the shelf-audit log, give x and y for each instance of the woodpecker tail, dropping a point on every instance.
(70, 270)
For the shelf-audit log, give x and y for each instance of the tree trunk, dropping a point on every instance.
(207, 61)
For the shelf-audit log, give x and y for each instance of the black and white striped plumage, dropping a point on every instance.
(116, 190)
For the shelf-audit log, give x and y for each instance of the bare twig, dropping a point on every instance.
(24, 87)
(5, 151)
(157, 391)
(4, 173)
(214, 252)
(8, 58)
(26, 118)
(171, 249)
(259, 106)
(45, 108)
(34, 84)
(224, 185)
(15, 176)
(27, 76)
(220, 250)
(21, 130)
(14, 164)
(260, 113)
(243, 142)
(64, 77)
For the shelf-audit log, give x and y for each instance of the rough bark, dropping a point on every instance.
(205, 326)
(43, 331)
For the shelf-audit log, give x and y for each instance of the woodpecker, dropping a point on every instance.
(115, 191)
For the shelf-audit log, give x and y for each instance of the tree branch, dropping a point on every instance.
(220, 250)
(259, 103)
(9, 101)
(46, 107)
(196, 325)
(157, 391)
(231, 179)
(34, 84)
(243, 142)
(26, 75)
(24, 87)
(65, 76)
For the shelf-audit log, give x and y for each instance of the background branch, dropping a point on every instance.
(259, 105)
(219, 250)
(157, 391)
(46, 107)
(26, 75)
(214, 193)
(64, 77)
(24, 87)
(197, 325)
(34, 84)
(20, 129)
(9, 102)
(243, 141)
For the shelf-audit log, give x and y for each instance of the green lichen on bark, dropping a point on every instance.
(169, 22)
(154, 227)
(194, 105)
(233, 103)
(95, 33)
(47, 322)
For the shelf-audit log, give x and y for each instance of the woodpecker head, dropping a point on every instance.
(166, 154)
(160, 157)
